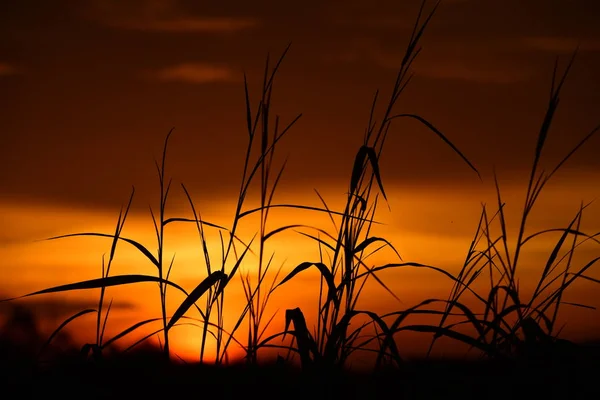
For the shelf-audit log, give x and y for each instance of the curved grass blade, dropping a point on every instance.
(62, 326)
(236, 266)
(487, 349)
(137, 245)
(364, 153)
(306, 343)
(589, 278)
(180, 219)
(148, 336)
(284, 228)
(579, 305)
(322, 241)
(379, 281)
(554, 253)
(191, 299)
(128, 330)
(368, 241)
(308, 208)
(327, 209)
(325, 273)
(566, 230)
(441, 136)
(117, 280)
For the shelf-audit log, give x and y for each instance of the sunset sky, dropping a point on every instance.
(90, 88)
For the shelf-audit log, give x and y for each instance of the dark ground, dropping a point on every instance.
(145, 375)
(573, 374)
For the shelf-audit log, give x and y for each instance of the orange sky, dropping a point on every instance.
(89, 89)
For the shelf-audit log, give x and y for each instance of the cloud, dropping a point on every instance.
(7, 69)
(379, 22)
(162, 16)
(208, 24)
(56, 308)
(467, 63)
(473, 71)
(558, 44)
(196, 73)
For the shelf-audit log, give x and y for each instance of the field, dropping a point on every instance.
(514, 336)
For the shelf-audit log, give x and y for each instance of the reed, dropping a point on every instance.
(500, 324)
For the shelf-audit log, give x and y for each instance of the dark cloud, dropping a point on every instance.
(54, 309)
(81, 126)
(452, 60)
(561, 45)
(457, 70)
(161, 16)
(195, 73)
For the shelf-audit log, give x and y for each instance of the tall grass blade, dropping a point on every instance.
(62, 326)
(325, 273)
(195, 295)
(117, 280)
(137, 245)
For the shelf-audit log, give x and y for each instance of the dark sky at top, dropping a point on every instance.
(90, 88)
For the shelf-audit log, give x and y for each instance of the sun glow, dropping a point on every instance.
(433, 232)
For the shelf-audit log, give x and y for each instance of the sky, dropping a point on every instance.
(90, 88)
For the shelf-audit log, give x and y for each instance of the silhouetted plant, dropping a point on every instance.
(511, 325)
(345, 276)
(506, 325)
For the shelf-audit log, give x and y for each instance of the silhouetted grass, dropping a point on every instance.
(512, 325)
(502, 325)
